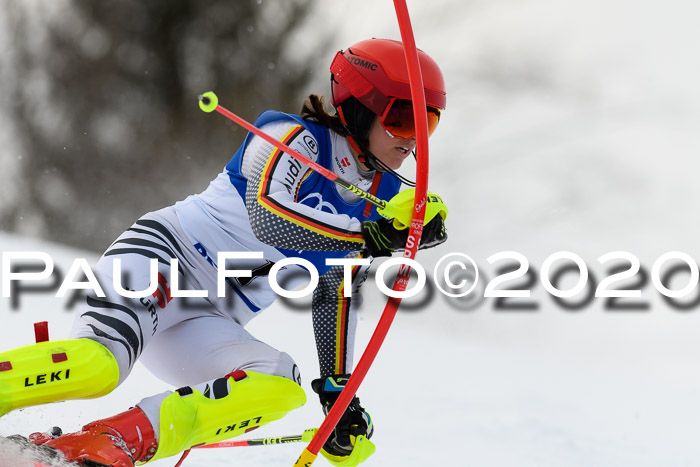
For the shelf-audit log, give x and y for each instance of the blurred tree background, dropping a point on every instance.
(100, 98)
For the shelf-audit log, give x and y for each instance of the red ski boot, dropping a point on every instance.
(118, 441)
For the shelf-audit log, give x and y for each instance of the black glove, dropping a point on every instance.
(354, 422)
(434, 233)
(383, 239)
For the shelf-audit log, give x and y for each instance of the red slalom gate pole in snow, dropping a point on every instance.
(308, 456)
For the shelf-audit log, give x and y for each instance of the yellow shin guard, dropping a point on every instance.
(54, 371)
(194, 419)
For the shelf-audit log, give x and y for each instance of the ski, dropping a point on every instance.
(18, 451)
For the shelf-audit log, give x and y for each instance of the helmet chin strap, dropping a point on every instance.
(370, 160)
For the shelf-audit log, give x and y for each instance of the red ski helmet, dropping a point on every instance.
(374, 72)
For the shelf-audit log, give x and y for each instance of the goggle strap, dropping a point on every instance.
(349, 136)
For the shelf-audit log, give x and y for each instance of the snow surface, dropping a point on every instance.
(570, 125)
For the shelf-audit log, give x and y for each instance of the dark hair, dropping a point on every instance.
(314, 109)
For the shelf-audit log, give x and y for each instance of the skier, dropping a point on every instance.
(263, 201)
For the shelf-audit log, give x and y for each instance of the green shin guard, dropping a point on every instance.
(188, 418)
(55, 371)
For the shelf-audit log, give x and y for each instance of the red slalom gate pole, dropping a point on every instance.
(308, 456)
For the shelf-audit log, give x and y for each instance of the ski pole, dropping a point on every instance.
(305, 437)
(309, 454)
(208, 102)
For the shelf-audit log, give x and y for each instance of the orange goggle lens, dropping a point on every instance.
(398, 119)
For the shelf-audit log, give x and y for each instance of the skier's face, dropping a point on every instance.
(388, 149)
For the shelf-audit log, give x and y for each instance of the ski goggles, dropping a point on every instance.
(397, 119)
